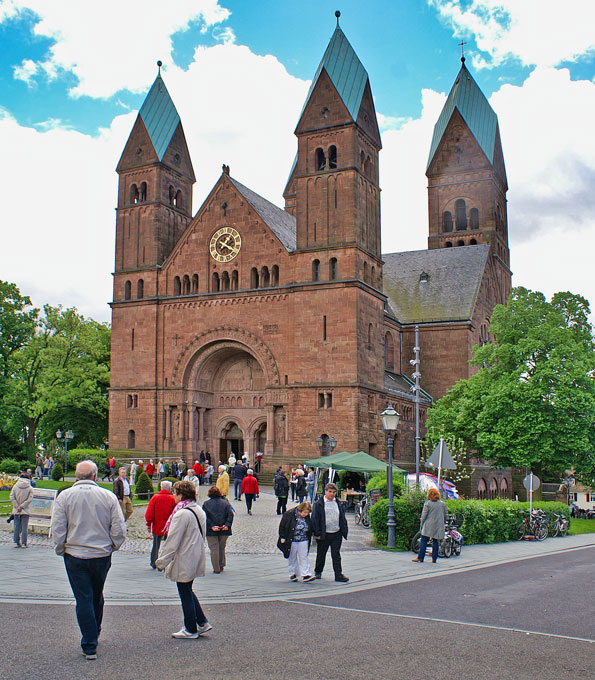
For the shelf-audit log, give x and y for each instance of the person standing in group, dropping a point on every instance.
(21, 496)
(161, 470)
(301, 490)
(107, 471)
(209, 474)
(181, 469)
(249, 488)
(122, 491)
(310, 480)
(281, 489)
(223, 481)
(231, 461)
(293, 484)
(183, 557)
(46, 467)
(112, 468)
(295, 531)
(192, 477)
(38, 466)
(50, 468)
(431, 524)
(258, 459)
(157, 513)
(87, 526)
(219, 520)
(239, 472)
(133, 467)
(150, 470)
(330, 528)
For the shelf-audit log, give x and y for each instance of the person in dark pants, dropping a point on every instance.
(239, 472)
(330, 528)
(157, 513)
(249, 488)
(431, 525)
(87, 525)
(281, 491)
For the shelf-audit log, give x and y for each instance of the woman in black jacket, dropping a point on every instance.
(301, 489)
(295, 531)
(281, 491)
(219, 520)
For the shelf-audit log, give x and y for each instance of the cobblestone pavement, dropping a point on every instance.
(252, 534)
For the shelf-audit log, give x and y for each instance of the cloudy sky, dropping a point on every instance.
(73, 74)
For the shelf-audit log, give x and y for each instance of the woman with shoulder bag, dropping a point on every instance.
(183, 557)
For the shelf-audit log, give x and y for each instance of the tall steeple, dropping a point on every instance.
(333, 187)
(155, 187)
(466, 176)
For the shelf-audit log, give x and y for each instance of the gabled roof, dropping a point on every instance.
(400, 385)
(470, 101)
(346, 72)
(160, 117)
(281, 223)
(449, 294)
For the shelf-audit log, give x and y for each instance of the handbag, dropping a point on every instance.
(284, 546)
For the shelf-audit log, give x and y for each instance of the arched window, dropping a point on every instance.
(140, 289)
(447, 221)
(275, 275)
(177, 286)
(389, 352)
(134, 194)
(461, 214)
(366, 272)
(362, 161)
(131, 439)
(332, 157)
(332, 269)
(373, 275)
(129, 401)
(370, 334)
(316, 270)
(215, 283)
(320, 159)
(239, 402)
(368, 166)
(172, 195)
(474, 218)
(473, 242)
(503, 488)
(482, 489)
(225, 281)
(460, 243)
(143, 192)
(254, 278)
(449, 244)
(254, 401)
(178, 199)
(195, 283)
(233, 402)
(186, 285)
(493, 488)
(234, 279)
(265, 277)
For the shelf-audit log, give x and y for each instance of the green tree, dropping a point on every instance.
(532, 401)
(60, 379)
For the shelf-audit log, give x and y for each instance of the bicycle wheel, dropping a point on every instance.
(556, 529)
(365, 518)
(541, 531)
(358, 514)
(447, 547)
(564, 528)
(456, 548)
(521, 530)
(415, 542)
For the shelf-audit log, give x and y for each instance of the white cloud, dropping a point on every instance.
(537, 32)
(111, 45)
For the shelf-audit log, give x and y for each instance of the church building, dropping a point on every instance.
(244, 326)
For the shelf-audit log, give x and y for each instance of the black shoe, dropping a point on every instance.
(293, 577)
(341, 578)
(318, 575)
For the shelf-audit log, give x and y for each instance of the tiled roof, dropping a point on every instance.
(399, 384)
(345, 71)
(449, 294)
(159, 116)
(280, 222)
(469, 100)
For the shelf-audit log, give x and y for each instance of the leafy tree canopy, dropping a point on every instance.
(532, 401)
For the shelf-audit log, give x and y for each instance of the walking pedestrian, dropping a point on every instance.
(183, 557)
(431, 524)
(293, 484)
(133, 467)
(281, 489)
(157, 513)
(161, 470)
(51, 467)
(192, 477)
(112, 468)
(209, 474)
(310, 479)
(46, 467)
(249, 488)
(38, 466)
(295, 531)
(219, 520)
(150, 470)
(223, 481)
(239, 472)
(122, 491)
(21, 496)
(330, 528)
(87, 525)
(300, 487)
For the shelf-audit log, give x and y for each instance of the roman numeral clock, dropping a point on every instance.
(225, 244)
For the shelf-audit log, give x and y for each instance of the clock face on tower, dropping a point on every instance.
(225, 244)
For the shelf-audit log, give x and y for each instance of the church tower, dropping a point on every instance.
(467, 179)
(155, 185)
(333, 187)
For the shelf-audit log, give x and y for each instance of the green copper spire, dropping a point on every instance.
(159, 115)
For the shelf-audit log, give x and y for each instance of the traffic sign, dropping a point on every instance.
(531, 482)
(447, 462)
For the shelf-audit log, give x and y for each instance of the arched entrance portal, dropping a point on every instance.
(231, 441)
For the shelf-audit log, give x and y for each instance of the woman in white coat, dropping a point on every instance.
(183, 556)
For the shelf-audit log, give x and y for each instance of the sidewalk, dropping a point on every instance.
(37, 575)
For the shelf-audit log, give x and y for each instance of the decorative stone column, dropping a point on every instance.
(269, 446)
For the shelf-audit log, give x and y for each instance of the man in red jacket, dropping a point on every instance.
(158, 511)
(199, 471)
(250, 489)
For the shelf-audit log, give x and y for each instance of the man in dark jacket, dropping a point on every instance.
(330, 528)
(239, 472)
(122, 491)
(281, 491)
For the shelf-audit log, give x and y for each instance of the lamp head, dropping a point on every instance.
(390, 419)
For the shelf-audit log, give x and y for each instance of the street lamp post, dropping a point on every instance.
(390, 422)
(68, 436)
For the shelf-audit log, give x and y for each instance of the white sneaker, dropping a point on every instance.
(184, 634)
(205, 628)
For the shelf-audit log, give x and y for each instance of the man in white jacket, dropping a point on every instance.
(87, 526)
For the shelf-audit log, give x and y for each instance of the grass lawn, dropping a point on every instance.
(581, 526)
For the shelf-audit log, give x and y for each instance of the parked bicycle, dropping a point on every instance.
(361, 512)
(560, 526)
(534, 524)
(452, 542)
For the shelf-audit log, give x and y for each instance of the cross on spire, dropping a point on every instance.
(462, 46)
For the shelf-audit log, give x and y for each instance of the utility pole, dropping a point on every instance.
(415, 389)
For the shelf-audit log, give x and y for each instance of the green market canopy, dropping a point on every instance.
(355, 462)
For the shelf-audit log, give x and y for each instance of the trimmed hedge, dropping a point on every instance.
(57, 472)
(379, 481)
(10, 466)
(483, 521)
(144, 486)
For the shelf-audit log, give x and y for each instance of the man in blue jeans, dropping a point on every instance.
(87, 526)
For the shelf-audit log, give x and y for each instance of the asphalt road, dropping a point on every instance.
(364, 634)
